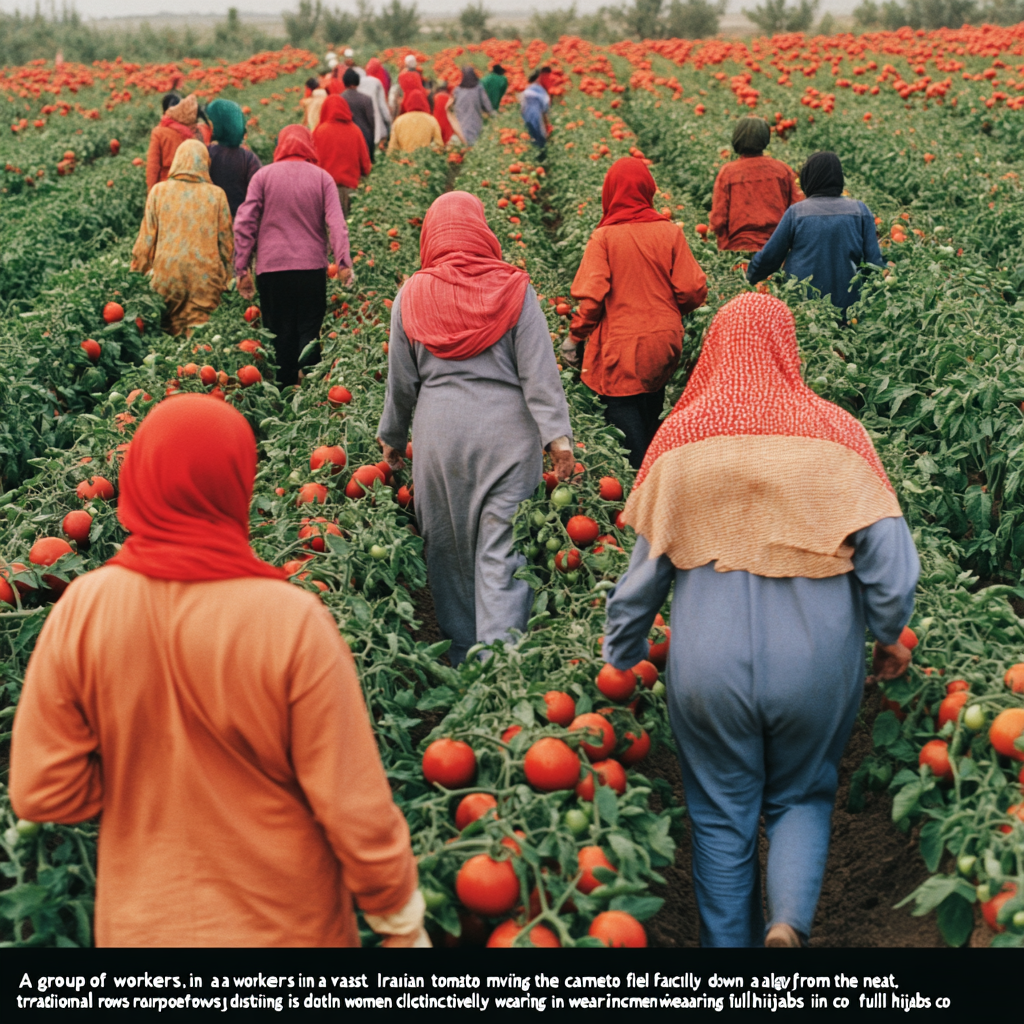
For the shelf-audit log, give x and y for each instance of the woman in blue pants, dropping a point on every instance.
(768, 510)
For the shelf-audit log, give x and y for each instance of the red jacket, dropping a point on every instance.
(340, 146)
(751, 195)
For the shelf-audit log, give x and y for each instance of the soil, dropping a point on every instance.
(871, 864)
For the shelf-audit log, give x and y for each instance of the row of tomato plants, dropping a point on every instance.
(368, 571)
(930, 363)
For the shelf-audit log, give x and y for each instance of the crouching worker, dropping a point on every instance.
(243, 799)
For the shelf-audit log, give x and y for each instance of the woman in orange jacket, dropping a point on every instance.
(178, 125)
(244, 801)
(636, 280)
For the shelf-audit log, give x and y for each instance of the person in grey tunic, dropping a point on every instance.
(470, 351)
(767, 513)
(471, 104)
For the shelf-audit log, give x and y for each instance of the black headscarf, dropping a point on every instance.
(469, 79)
(822, 175)
(751, 135)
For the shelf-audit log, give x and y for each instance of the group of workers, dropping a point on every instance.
(235, 766)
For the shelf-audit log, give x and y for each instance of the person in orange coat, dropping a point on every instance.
(751, 194)
(341, 148)
(243, 798)
(178, 125)
(635, 281)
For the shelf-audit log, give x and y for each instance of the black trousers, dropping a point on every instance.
(638, 417)
(293, 304)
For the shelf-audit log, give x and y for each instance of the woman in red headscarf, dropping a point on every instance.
(470, 350)
(636, 280)
(416, 128)
(341, 148)
(767, 510)
(243, 799)
(444, 114)
(290, 207)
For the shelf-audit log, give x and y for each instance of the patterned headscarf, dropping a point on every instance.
(184, 112)
(752, 470)
(191, 162)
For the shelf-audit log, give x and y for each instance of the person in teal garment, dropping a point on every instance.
(495, 85)
(766, 512)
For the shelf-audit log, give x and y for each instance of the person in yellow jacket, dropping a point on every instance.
(416, 128)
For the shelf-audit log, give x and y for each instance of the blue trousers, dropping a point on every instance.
(537, 133)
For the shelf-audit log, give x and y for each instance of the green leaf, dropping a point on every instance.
(930, 893)
(931, 844)
(955, 918)
(886, 730)
(607, 804)
(436, 650)
(641, 907)
(439, 697)
(906, 800)
(1007, 940)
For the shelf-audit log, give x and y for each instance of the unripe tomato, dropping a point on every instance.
(378, 553)
(974, 718)
(27, 828)
(576, 822)
(561, 496)
(965, 864)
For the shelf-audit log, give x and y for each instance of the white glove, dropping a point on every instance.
(404, 928)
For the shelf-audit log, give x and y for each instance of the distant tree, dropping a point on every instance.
(642, 19)
(396, 25)
(338, 26)
(773, 16)
(827, 25)
(473, 22)
(228, 31)
(693, 19)
(931, 14)
(554, 24)
(301, 25)
(594, 27)
(1002, 12)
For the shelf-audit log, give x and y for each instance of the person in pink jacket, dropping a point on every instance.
(290, 215)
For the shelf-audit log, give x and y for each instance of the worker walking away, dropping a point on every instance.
(185, 240)
(495, 85)
(341, 148)
(416, 128)
(534, 105)
(290, 218)
(768, 514)
(178, 125)
(752, 193)
(471, 104)
(371, 84)
(242, 796)
(469, 345)
(823, 240)
(636, 280)
(361, 107)
(232, 165)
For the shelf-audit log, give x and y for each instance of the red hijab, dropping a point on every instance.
(546, 81)
(186, 485)
(296, 143)
(415, 99)
(628, 194)
(335, 109)
(747, 382)
(376, 69)
(465, 296)
(441, 101)
(335, 87)
(410, 81)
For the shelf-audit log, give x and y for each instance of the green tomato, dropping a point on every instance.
(821, 381)
(561, 496)
(434, 899)
(378, 553)
(543, 534)
(983, 893)
(552, 543)
(974, 718)
(294, 476)
(12, 836)
(577, 822)
(658, 688)
(572, 577)
(531, 551)
(965, 865)
(852, 370)
(1018, 919)
(538, 518)
(551, 564)
(27, 828)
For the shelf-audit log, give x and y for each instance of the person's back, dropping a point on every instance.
(361, 107)
(291, 199)
(414, 130)
(751, 195)
(232, 168)
(495, 85)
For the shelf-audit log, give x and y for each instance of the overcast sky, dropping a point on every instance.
(435, 8)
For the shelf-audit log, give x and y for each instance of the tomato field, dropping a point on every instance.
(929, 128)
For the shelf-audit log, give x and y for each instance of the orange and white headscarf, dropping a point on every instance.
(752, 470)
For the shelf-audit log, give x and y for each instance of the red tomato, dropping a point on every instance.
(647, 672)
(908, 638)
(334, 454)
(208, 375)
(582, 530)
(638, 749)
(113, 312)
(609, 488)
(474, 806)
(935, 754)
(566, 561)
(504, 935)
(950, 707)
(603, 735)
(616, 928)
(610, 773)
(311, 493)
(449, 763)
(252, 313)
(91, 349)
(591, 857)
(510, 733)
(487, 886)
(249, 375)
(620, 521)
(95, 487)
(990, 908)
(561, 707)
(77, 525)
(339, 396)
(404, 496)
(957, 685)
(616, 684)
(551, 764)
(364, 476)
